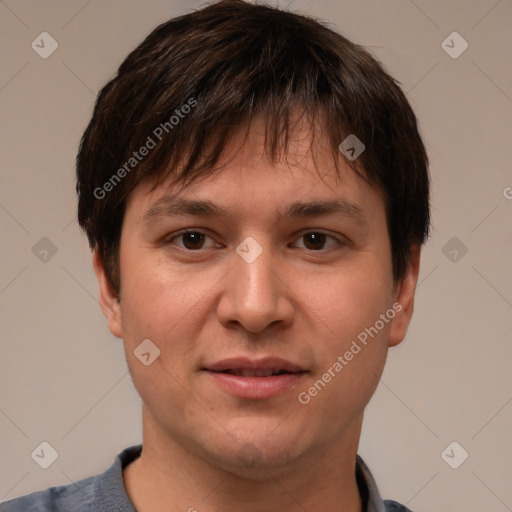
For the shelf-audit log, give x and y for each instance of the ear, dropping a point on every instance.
(108, 299)
(404, 299)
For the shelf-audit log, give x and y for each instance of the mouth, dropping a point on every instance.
(247, 367)
(255, 379)
(245, 372)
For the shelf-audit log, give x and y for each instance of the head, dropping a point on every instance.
(246, 106)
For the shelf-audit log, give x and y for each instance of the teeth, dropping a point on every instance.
(252, 373)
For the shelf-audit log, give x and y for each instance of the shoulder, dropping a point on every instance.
(393, 506)
(100, 493)
(76, 496)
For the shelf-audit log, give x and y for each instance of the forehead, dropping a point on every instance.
(305, 178)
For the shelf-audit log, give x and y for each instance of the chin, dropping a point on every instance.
(255, 452)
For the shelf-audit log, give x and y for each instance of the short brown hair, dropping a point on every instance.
(203, 77)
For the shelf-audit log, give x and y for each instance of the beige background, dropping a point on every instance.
(63, 377)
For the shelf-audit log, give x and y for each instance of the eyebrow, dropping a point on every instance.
(169, 206)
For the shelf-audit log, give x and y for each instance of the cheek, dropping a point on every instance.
(156, 298)
(347, 302)
(168, 308)
(351, 366)
(348, 309)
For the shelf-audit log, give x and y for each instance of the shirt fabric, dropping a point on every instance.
(107, 493)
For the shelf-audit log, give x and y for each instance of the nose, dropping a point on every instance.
(256, 295)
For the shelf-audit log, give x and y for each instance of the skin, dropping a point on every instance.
(303, 299)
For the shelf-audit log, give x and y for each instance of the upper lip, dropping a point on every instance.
(244, 363)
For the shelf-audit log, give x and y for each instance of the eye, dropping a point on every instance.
(192, 240)
(315, 240)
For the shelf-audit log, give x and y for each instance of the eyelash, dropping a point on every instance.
(169, 240)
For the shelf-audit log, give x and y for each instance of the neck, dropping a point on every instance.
(173, 477)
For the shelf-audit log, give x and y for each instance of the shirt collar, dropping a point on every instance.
(110, 490)
(368, 489)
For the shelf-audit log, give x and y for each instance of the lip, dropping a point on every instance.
(253, 387)
(244, 363)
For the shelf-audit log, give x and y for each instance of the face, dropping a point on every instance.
(282, 268)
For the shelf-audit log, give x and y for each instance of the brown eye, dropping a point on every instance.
(189, 240)
(316, 240)
(192, 240)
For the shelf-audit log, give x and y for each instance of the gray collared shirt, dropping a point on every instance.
(106, 492)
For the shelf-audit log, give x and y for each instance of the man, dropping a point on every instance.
(256, 192)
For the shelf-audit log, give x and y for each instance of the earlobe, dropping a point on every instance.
(404, 299)
(108, 299)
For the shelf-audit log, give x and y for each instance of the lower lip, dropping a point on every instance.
(256, 387)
